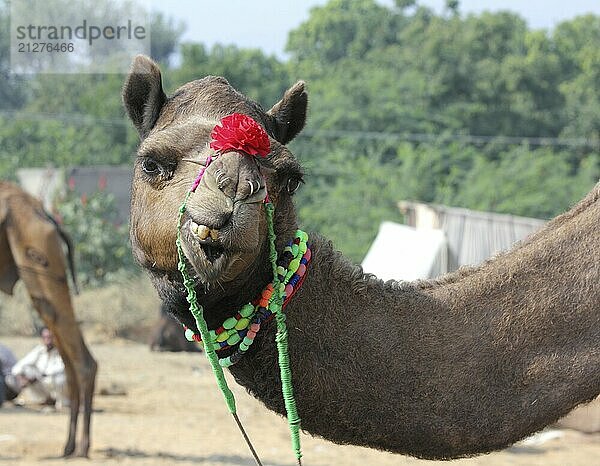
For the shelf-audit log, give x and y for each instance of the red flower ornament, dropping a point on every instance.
(238, 132)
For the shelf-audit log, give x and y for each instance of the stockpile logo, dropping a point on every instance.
(77, 36)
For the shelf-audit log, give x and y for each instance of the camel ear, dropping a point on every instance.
(8, 268)
(289, 114)
(143, 94)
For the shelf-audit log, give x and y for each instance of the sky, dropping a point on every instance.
(265, 24)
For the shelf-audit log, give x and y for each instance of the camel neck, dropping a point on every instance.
(465, 364)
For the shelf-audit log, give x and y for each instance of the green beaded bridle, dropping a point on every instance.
(281, 337)
(239, 331)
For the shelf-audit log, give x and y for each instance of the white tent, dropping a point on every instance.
(401, 252)
(472, 236)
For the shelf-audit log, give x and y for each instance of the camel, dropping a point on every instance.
(30, 249)
(462, 365)
(166, 336)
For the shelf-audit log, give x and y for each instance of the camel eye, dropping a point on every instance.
(293, 184)
(150, 166)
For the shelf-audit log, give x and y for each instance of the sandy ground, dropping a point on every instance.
(173, 414)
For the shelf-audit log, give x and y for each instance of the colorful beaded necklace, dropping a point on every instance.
(241, 133)
(241, 329)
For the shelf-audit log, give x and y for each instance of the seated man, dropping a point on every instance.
(42, 373)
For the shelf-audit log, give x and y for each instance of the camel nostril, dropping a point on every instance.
(222, 179)
(248, 188)
(252, 188)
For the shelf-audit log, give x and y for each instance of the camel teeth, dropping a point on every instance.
(203, 231)
(194, 228)
(214, 234)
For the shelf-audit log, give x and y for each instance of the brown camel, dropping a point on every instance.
(30, 249)
(458, 366)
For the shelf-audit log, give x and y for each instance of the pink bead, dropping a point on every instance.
(307, 254)
(251, 334)
(255, 328)
(288, 289)
(301, 270)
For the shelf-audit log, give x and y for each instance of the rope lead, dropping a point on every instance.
(198, 313)
(282, 343)
(280, 338)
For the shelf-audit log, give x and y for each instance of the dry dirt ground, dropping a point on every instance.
(173, 414)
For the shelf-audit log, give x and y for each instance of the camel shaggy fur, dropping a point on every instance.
(453, 367)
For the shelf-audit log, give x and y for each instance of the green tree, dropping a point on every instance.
(453, 6)
(535, 183)
(71, 119)
(13, 89)
(420, 72)
(50, 142)
(341, 29)
(165, 34)
(347, 205)
(261, 77)
(578, 44)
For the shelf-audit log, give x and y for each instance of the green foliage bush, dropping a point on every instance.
(102, 248)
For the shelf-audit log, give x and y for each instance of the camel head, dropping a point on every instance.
(224, 230)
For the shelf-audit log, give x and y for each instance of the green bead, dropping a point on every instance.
(303, 247)
(294, 250)
(247, 310)
(222, 337)
(242, 324)
(244, 346)
(229, 323)
(233, 339)
(189, 334)
(294, 265)
(248, 341)
(302, 235)
(287, 249)
(216, 346)
(281, 270)
(225, 362)
(212, 334)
